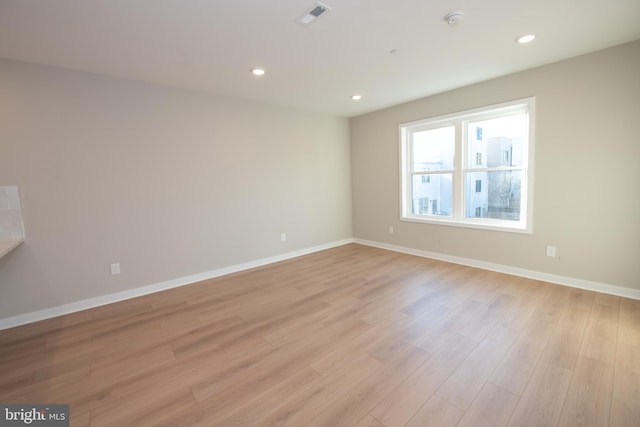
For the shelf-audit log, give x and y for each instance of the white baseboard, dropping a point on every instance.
(48, 313)
(515, 271)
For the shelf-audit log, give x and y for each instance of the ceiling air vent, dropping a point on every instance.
(316, 11)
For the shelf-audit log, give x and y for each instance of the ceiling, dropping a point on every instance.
(210, 45)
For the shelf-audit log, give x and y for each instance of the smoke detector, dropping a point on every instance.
(454, 18)
(315, 12)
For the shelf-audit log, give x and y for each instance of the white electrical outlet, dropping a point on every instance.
(391, 229)
(283, 237)
(115, 268)
(551, 251)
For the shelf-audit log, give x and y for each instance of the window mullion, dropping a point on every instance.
(438, 172)
(496, 169)
(458, 174)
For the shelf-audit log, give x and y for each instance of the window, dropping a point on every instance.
(471, 169)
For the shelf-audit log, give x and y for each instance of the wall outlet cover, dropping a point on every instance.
(115, 268)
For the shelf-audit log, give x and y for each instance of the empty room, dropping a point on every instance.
(338, 213)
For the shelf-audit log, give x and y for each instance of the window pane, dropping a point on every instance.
(432, 197)
(497, 142)
(499, 195)
(433, 149)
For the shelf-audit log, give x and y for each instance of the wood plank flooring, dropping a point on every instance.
(351, 336)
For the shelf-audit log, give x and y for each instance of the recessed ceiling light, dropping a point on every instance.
(356, 97)
(527, 38)
(257, 71)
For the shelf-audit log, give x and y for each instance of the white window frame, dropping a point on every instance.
(459, 120)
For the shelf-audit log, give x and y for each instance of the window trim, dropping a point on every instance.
(458, 120)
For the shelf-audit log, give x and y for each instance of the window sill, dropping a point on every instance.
(479, 225)
(7, 246)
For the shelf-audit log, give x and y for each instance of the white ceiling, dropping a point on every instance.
(210, 45)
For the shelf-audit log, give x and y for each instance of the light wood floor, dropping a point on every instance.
(352, 336)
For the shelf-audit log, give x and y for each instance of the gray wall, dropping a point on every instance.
(167, 182)
(587, 171)
(172, 183)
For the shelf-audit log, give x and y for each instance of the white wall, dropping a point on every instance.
(587, 174)
(167, 182)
